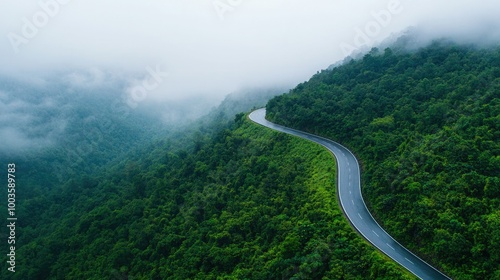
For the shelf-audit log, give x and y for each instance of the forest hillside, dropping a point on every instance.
(425, 125)
(249, 203)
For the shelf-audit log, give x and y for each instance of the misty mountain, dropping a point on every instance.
(75, 123)
(117, 192)
(54, 128)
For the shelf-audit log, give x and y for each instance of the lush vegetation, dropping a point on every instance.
(249, 203)
(426, 127)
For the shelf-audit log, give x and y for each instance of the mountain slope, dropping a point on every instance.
(425, 126)
(248, 204)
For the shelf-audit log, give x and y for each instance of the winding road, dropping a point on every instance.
(353, 205)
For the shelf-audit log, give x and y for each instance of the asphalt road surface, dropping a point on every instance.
(353, 205)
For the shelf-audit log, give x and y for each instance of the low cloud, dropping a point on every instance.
(211, 48)
(28, 124)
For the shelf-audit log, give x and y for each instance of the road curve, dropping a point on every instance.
(353, 205)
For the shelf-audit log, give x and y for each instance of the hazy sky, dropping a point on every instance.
(215, 47)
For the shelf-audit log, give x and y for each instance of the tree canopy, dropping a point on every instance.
(246, 203)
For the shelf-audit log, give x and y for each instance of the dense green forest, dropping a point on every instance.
(425, 125)
(248, 203)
